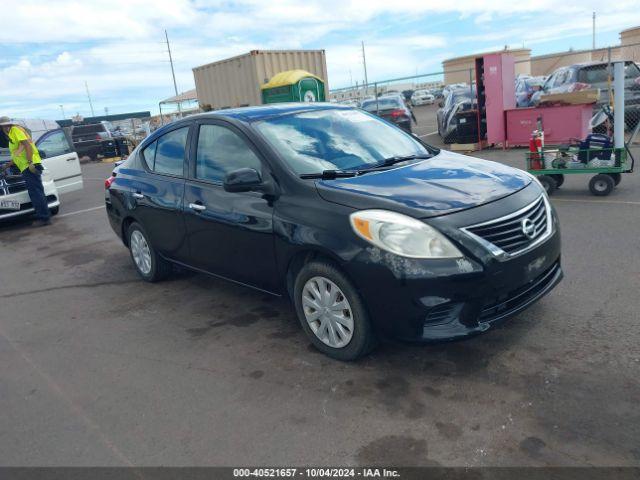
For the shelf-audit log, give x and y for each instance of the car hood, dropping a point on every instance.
(446, 183)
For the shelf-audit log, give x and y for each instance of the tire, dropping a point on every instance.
(601, 185)
(362, 338)
(617, 177)
(548, 183)
(157, 267)
(54, 210)
(559, 178)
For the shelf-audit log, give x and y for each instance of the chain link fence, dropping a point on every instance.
(574, 76)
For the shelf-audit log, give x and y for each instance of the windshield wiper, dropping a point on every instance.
(387, 162)
(330, 174)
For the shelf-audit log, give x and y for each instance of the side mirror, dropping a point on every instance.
(42, 153)
(242, 180)
(441, 104)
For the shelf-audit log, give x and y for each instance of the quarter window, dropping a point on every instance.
(166, 154)
(220, 151)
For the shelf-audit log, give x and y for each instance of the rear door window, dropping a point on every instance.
(631, 70)
(593, 74)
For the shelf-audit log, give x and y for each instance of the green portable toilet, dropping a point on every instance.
(293, 86)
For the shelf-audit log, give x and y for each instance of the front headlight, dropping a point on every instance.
(46, 175)
(535, 179)
(402, 235)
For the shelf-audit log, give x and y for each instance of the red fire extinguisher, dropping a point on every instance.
(535, 149)
(536, 144)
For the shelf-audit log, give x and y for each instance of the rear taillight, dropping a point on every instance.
(109, 181)
(397, 113)
(98, 137)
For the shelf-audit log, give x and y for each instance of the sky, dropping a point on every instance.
(50, 49)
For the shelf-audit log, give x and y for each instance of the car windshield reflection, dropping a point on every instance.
(337, 139)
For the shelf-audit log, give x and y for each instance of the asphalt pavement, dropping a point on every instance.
(100, 368)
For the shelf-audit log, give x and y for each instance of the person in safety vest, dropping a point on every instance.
(26, 158)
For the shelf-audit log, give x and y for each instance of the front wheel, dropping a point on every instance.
(548, 183)
(332, 313)
(559, 178)
(150, 266)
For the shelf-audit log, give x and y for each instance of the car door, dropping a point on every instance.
(229, 234)
(157, 192)
(59, 157)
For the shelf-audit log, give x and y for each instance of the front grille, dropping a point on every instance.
(508, 233)
(515, 299)
(12, 183)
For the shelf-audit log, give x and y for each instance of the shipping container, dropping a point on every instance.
(236, 81)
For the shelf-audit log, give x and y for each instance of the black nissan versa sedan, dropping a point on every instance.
(368, 230)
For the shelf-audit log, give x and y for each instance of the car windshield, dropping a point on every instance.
(382, 104)
(336, 139)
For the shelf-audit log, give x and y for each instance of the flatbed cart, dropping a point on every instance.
(552, 164)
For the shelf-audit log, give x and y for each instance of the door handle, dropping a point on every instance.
(71, 159)
(138, 195)
(197, 207)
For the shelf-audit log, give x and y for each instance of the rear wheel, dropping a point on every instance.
(54, 210)
(150, 266)
(548, 183)
(332, 313)
(616, 178)
(601, 185)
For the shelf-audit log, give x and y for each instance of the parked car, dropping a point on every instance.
(93, 140)
(62, 174)
(422, 97)
(583, 76)
(392, 108)
(526, 86)
(368, 230)
(14, 198)
(457, 100)
(349, 103)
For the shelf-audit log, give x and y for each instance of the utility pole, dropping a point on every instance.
(62, 109)
(364, 62)
(593, 36)
(173, 73)
(86, 85)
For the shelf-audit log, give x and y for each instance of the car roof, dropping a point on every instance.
(594, 63)
(261, 112)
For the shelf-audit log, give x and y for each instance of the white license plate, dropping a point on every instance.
(9, 205)
(462, 120)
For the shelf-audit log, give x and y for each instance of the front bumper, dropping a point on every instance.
(26, 208)
(435, 300)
